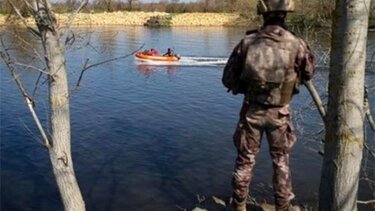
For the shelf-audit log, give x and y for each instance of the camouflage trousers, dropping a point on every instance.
(276, 123)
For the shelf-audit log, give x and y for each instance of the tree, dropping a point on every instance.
(344, 139)
(131, 4)
(207, 4)
(70, 3)
(57, 140)
(232, 5)
(109, 6)
(58, 143)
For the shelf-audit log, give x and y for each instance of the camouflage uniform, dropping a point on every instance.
(266, 105)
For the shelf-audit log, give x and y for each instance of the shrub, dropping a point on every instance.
(159, 21)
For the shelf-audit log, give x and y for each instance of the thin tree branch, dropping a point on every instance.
(51, 15)
(37, 7)
(87, 67)
(47, 5)
(366, 202)
(34, 5)
(29, 46)
(82, 71)
(369, 150)
(28, 130)
(34, 31)
(36, 84)
(368, 110)
(6, 58)
(30, 67)
(74, 14)
(30, 104)
(70, 39)
(370, 119)
(28, 5)
(318, 102)
(368, 180)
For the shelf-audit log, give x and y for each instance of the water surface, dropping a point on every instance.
(150, 137)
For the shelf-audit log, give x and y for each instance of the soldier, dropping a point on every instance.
(267, 66)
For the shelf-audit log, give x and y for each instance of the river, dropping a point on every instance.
(148, 137)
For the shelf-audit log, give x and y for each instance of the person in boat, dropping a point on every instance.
(169, 52)
(153, 52)
(254, 69)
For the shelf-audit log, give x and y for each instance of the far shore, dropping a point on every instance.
(140, 18)
(124, 18)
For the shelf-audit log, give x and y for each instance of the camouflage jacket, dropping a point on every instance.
(268, 65)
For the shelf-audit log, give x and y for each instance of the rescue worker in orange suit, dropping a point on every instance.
(270, 64)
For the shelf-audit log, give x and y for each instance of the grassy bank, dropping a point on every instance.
(180, 19)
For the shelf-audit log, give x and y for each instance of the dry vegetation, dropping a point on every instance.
(310, 13)
(140, 18)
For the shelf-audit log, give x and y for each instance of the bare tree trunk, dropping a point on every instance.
(232, 5)
(108, 4)
(130, 3)
(344, 137)
(60, 141)
(206, 5)
(60, 152)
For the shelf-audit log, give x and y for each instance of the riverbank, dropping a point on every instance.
(140, 18)
(176, 19)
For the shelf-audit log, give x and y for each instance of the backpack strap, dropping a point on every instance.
(252, 31)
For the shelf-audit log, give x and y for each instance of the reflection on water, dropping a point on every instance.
(150, 137)
(147, 69)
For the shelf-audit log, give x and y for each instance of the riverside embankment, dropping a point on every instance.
(140, 18)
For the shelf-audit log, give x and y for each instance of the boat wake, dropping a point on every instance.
(187, 61)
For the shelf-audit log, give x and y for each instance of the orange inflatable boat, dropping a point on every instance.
(145, 57)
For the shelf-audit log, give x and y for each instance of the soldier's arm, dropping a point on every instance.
(233, 68)
(305, 61)
(235, 58)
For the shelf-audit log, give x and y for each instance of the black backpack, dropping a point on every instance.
(233, 69)
(231, 75)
